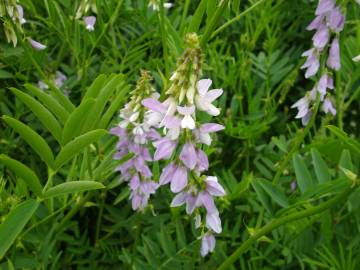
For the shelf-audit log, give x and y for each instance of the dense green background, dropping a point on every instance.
(255, 59)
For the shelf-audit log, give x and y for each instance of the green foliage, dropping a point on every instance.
(63, 205)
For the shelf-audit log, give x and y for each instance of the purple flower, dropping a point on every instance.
(203, 162)
(336, 20)
(188, 155)
(316, 23)
(207, 244)
(167, 174)
(164, 148)
(213, 222)
(333, 60)
(324, 83)
(328, 107)
(213, 187)
(324, 6)
(179, 179)
(202, 134)
(204, 97)
(89, 22)
(321, 37)
(312, 63)
(37, 45)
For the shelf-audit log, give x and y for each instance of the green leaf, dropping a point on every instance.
(77, 145)
(45, 117)
(72, 187)
(274, 192)
(113, 108)
(101, 101)
(14, 223)
(262, 195)
(321, 169)
(197, 18)
(330, 187)
(50, 102)
(353, 144)
(37, 143)
(75, 122)
(346, 163)
(303, 176)
(29, 177)
(5, 74)
(95, 87)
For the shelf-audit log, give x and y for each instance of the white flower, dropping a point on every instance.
(204, 98)
(187, 121)
(37, 45)
(89, 22)
(357, 58)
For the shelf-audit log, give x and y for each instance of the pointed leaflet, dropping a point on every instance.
(77, 145)
(263, 197)
(96, 86)
(21, 170)
(75, 122)
(45, 117)
(303, 176)
(321, 169)
(14, 223)
(50, 102)
(345, 162)
(72, 187)
(37, 143)
(274, 192)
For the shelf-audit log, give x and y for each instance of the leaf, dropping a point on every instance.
(274, 192)
(45, 117)
(76, 146)
(303, 176)
(263, 197)
(50, 102)
(5, 74)
(197, 18)
(330, 187)
(345, 163)
(95, 87)
(75, 122)
(113, 108)
(37, 143)
(101, 101)
(29, 177)
(321, 169)
(14, 223)
(353, 144)
(72, 187)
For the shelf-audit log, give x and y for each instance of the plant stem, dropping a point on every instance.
(274, 224)
(163, 38)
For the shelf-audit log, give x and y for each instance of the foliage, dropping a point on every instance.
(62, 205)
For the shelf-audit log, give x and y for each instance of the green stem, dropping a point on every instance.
(235, 19)
(209, 29)
(274, 224)
(339, 101)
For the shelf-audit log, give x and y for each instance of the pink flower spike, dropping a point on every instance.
(37, 45)
(203, 86)
(324, 6)
(89, 22)
(187, 121)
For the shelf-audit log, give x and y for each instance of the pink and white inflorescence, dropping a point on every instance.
(328, 24)
(183, 141)
(135, 134)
